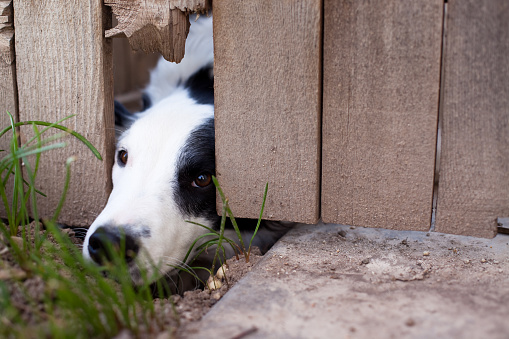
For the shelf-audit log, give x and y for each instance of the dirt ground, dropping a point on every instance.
(346, 282)
(190, 307)
(343, 282)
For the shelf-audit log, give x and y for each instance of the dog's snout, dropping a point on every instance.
(104, 244)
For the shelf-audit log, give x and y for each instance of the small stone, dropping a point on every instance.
(410, 322)
(124, 334)
(14, 273)
(342, 233)
(221, 272)
(352, 227)
(18, 241)
(496, 262)
(425, 253)
(216, 295)
(365, 261)
(213, 283)
(483, 260)
(500, 271)
(467, 261)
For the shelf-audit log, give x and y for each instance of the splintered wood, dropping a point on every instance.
(196, 6)
(7, 83)
(155, 26)
(6, 33)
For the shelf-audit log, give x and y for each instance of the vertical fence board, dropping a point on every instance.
(7, 68)
(267, 75)
(474, 167)
(7, 83)
(64, 67)
(381, 93)
(7, 89)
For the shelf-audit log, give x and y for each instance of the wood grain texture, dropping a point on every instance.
(151, 26)
(380, 107)
(474, 171)
(8, 92)
(7, 67)
(64, 67)
(267, 81)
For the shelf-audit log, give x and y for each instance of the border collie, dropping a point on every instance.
(163, 168)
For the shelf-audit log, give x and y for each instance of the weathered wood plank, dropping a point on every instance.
(267, 99)
(64, 67)
(8, 93)
(474, 168)
(7, 68)
(381, 93)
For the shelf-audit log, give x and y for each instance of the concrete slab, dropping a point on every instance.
(342, 282)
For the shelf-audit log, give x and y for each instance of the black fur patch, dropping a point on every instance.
(197, 157)
(146, 102)
(123, 118)
(201, 86)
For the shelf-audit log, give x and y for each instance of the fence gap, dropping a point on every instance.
(436, 179)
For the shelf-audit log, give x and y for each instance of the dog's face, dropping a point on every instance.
(161, 180)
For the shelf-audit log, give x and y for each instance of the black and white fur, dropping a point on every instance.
(169, 147)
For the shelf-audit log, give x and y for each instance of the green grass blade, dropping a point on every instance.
(194, 244)
(23, 153)
(259, 218)
(221, 236)
(66, 188)
(236, 249)
(230, 215)
(60, 127)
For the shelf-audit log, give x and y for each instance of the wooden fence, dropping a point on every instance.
(337, 104)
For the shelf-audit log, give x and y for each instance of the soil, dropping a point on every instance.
(190, 307)
(349, 282)
(346, 282)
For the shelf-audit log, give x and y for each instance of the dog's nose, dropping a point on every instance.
(104, 244)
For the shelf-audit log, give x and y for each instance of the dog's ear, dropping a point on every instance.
(123, 118)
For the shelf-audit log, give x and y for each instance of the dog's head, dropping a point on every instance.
(162, 178)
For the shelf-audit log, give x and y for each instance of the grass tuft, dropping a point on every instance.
(217, 238)
(79, 299)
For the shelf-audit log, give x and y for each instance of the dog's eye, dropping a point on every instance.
(122, 157)
(202, 180)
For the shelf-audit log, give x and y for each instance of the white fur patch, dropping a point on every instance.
(142, 195)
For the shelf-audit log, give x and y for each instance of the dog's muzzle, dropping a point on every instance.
(105, 244)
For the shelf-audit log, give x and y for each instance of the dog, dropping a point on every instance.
(162, 175)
